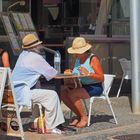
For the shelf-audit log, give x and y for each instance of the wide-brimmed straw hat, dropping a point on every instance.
(79, 46)
(30, 41)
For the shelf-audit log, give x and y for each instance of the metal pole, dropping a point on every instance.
(135, 53)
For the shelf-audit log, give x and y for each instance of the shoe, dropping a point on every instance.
(32, 128)
(55, 131)
(33, 125)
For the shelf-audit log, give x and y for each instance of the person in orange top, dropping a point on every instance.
(86, 63)
(4, 58)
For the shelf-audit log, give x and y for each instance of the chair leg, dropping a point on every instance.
(20, 108)
(70, 115)
(90, 107)
(111, 109)
(120, 87)
(41, 116)
(85, 106)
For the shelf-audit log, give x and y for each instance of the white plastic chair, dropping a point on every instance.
(126, 68)
(19, 83)
(108, 80)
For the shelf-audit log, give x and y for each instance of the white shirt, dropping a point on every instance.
(29, 67)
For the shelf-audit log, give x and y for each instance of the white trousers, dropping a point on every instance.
(50, 101)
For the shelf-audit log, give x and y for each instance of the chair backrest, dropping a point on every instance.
(108, 81)
(126, 67)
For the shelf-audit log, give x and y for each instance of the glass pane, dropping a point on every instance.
(120, 17)
(120, 9)
(88, 12)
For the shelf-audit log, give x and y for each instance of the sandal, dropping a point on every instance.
(74, 122)
(81, 124)
(55, 131)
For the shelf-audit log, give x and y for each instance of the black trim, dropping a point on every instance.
(93, 56)
(94, 84)
(31, 43)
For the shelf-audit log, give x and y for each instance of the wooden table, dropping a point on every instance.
(69, 76)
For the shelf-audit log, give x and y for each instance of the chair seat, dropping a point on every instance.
(19, 83)
(108, 81)
(128, 76)
(99, 97)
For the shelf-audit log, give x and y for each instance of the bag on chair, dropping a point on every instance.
(72, 83)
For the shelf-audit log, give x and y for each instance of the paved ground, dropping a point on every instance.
(102, 124)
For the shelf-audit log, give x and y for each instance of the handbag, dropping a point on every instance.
(72, 83)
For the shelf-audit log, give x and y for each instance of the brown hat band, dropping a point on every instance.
(31, 43)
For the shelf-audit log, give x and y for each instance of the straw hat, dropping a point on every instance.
(30, 41)
(79, 46)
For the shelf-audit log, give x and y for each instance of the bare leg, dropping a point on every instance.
(67, 101)
(78, 105)
(72, 100)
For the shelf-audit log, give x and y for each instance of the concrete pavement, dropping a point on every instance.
(102, 123)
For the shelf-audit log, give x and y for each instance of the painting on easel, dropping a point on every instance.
(10, 121)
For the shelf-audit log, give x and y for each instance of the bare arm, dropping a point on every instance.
(96, 65)
(98, 75)
(5, 59)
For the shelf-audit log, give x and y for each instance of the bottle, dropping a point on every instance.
(40, 124)
(57, 61)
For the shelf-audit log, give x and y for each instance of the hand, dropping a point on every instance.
(84, 71)
(68, 71)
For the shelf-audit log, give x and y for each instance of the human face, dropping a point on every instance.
(78, 55)
(81, 55)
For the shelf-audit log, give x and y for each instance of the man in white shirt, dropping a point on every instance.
(29, 67)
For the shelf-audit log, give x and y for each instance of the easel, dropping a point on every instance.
(23, 24)
(13, 38)
(10, 120)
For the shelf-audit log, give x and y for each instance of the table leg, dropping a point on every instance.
(110, 61)
(58, 86)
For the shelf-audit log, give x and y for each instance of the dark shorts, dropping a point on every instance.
(94, 89)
